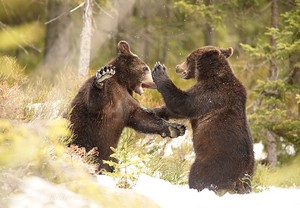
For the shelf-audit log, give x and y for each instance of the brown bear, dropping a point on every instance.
(105, 105)
(215, 106)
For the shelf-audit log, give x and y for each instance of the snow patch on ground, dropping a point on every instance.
(39, 193)
(169, 195)
(36, 192)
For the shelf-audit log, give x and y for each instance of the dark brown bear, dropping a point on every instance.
(215, 106)
(104, 105)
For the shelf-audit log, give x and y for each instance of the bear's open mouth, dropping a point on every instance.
(184, 75)
(146, 82)
(149, 85)
(139, 89)
(182, 72)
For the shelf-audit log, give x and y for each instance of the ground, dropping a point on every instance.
(167, 195)
(40, 193)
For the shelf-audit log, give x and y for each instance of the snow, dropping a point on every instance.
(168, 195)
(37, 193)
(176, 143)
(259, 153)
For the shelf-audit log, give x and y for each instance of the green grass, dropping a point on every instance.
(287, 175)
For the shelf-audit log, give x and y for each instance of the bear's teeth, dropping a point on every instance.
(139, 90)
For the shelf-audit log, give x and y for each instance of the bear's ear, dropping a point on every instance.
(123, 48)
(227, 52)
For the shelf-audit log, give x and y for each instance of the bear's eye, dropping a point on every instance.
(146, 70)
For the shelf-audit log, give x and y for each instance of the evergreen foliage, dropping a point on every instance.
(276, 106)
(130, 161)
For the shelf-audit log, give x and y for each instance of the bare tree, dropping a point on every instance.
(86, 35)
(208, 29)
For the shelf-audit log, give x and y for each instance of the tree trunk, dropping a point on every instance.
(273, 72)
(146, 39)
(294, 78)
(146, 50)
(271, 149)
(86, 35)
(57, 43)
(208, 29)
(165, 43)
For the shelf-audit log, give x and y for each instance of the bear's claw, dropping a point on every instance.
(104, 73)
(159, 73)
(176, 130)
(158, 67)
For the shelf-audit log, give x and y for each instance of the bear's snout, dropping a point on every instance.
(180, 68)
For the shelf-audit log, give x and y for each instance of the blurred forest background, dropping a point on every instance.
(46, 52)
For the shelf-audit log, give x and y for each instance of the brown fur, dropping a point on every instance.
(101, 111)
(215, 106)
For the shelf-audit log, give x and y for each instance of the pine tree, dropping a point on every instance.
(131, 161)
(277, 100)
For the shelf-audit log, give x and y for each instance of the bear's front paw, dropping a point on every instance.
(159, 73)
(176, 130)
(104, 73)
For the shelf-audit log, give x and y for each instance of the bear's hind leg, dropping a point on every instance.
(196, 177)
(211, 176)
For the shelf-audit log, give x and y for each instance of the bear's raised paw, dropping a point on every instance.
(104, 73)
(159, 73)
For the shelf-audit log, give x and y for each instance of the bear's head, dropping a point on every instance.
(205, 61)
(131, 71)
